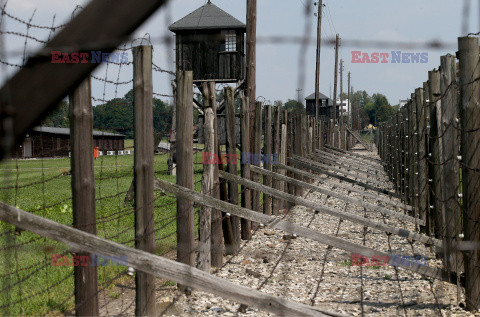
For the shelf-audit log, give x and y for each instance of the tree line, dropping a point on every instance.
(116, 115)
(372, 109)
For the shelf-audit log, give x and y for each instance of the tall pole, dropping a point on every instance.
(251, 63)
(319, 45)
(349, 103)
(341, 93)
(470, 136)
(144, 175)
(298, 94)
(335, 79)
(83, 193)
(354, 110)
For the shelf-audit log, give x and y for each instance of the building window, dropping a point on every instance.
(229, 42)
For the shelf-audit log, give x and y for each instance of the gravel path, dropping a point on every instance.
(314, 274)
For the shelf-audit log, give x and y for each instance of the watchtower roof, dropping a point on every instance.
(206, 17)
(320, 96)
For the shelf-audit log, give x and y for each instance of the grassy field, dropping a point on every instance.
(29, 284)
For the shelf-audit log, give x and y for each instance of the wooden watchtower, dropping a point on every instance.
(210, 42)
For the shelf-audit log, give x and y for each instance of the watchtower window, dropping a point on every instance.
(229, 42)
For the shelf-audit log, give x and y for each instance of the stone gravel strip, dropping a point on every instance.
(301, 261)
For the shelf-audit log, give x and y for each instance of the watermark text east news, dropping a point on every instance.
(394, 57)
(94, 57)
(87, 260)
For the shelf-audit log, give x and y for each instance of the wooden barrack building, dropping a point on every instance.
(55, 142)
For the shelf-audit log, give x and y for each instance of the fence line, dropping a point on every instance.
(431, 152)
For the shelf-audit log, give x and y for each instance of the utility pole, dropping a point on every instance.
(251, 63)
(341, 93)
(353, 111)
(342, 129)
(298, 94)
(335, 81)
(349, 110)
(319, 45)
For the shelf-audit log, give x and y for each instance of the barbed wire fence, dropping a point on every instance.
(430, 150)
(31, 282)
(43, 188)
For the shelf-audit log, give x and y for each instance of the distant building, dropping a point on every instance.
(325, 112)
(55, 142)
(211, 43)
(346, 105)
(402, 104)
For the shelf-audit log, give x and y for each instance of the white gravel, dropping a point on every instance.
(302, 265)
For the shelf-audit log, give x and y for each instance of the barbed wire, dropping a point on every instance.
(113, 186)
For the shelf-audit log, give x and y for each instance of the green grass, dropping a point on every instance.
(366, 136)
(45, 288)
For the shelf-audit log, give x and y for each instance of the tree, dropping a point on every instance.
(162, 117)
(59, 117)
(294, 106)
(373, 109)
(117, 115)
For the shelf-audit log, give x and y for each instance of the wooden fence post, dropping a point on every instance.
(216, 238)
(291, 150)
(334, 135)
(83, 193)
(435, 151)
(406, 133)
(413, 170)
(331, 133)
(311, 133)
(172, 166)
(451, 168)
(246, 160)
(470, 111)
(232, 241)
(428, 194)
(321, 133)
(185, 212)
(328, 130)
(276, 151)
(283, 154)
(299, 146)
(395, 167)
(144, 174)
(208, 187)
(267, 180)
(389, 150)
(257, 152)
(379, 146)
(399, 144)
(406, 154)
(422, 168)
(393, 149)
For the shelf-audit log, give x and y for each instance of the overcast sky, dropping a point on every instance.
(278, 72)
